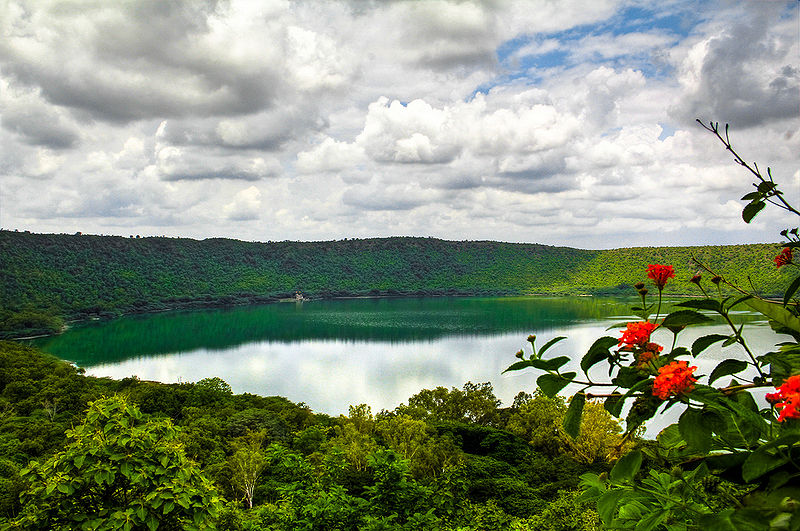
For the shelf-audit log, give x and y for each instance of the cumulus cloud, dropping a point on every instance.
(176, 163)
(37, 124)
(526, 120)
(744, 85)
(246, 205)
(330, 155)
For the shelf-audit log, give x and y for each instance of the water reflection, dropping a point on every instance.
(373, 320)
(332, 354)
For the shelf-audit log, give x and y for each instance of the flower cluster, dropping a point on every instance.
(784, 258)
(659, 274)
(787, 399)
(649, 353)
(674, 379)
(637, 334)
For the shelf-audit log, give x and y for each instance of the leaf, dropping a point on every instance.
(652, 520)
(751, 209)
(695, 431)
(572, 418)
(776, 312)
(551, 384)
(626, 468)
(519, 365)
(760, 462)
(607, 505)
(613, 404)
(683, 318)
(725, 368)
(764, 187)
(750, 196)
(670, 437)
(598, 352)
(791, 290)
(550, 344)
(552, 364)
(702, 343)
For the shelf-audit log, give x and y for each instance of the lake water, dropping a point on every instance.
(332, 354)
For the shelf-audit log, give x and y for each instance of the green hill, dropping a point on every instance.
(48, 277)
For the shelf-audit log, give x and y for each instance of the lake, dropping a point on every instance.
(378, 351)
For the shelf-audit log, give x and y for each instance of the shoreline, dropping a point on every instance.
(199, 305)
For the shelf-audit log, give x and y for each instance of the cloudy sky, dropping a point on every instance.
(564, 122)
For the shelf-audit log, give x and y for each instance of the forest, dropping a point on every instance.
(446, 459)
(48, 279)
(147, 455)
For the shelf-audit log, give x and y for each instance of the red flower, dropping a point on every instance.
(787, 399)
(784, 258)
(674, 379)
(660, 274)
(637, 334)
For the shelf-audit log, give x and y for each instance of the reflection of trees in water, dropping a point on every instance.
(378, 320)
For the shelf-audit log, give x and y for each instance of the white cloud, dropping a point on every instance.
(246, 205)
(421, 117)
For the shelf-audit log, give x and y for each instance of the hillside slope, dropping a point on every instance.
(77, 276)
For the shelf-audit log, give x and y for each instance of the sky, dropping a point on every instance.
(562, 122)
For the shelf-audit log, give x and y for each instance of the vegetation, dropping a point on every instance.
(147, 455)
(46, 278)
(734, 454)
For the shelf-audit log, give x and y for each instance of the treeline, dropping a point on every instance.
(448, 459)
(45, 278)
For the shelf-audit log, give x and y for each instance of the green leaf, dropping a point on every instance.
(65, 488)
(760, 462)
(702, 343)
(551, 384)
(607, 505)
(598, 352)
(519, 366)
(751, 209)
(651, 521)
(683, 318)
(751, 196)
(791, 291)
(670, 437)
(626, 468)
(550, 344)
(764, 187)
(552, 364)
(776, 312)
(572, 418)
(695, 430)
(725, 368)
(613, 404)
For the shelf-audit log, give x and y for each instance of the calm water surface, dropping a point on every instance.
(332, 354)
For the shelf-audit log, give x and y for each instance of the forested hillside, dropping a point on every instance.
(45, 278)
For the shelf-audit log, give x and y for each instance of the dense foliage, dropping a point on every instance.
(147, 455)
(47, 277)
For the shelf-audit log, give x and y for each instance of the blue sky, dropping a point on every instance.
(564, 123)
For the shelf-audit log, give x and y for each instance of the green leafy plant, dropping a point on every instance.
(726, 430)
(119, 471)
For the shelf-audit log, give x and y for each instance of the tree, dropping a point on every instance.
(540, 420)
(475, 404)
(247, 463)
(119, 471)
